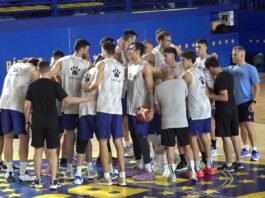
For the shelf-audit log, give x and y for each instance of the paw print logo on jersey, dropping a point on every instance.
(116, 73)
(202, 80)
(75, 70)
(87, 77)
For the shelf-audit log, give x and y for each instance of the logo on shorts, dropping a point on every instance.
(75, 70)
(202, 80)
(116, 73)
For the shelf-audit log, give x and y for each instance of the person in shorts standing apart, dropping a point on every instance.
(41, 102)
(199, 109)
(109, 81)
(226, 116)
(246, 89)
(170, 100)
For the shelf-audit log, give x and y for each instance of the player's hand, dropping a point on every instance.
(28, 128)
(92, 97)
(251, 107)
(150, 115)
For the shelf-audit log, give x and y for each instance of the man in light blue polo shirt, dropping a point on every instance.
(246, 90)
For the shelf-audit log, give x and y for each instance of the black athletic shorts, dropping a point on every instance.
(226, 122)
(168, 137)
(50, 134)
(244, 115)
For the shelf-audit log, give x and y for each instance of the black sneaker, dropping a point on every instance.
(63, 163)
(55, 185)
(1, 165)
(182, 165)
(226, 168)
(36, 184)
(238, 165)
(9, 176)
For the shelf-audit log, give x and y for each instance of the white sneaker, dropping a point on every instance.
(128, 152)
(157, 169)
(69, 174)
(36, 184)
(171, 178)
(166, 172)
(55, 185)
(114, 175)
(26, 178)
(91, 173)
(78, 180)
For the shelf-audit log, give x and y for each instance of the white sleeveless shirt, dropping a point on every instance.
(73, 69)
(88, 108)
(15, 87)
(137, 91)
(199, 106)
(159, 63)
(200, 63)
(110, 88)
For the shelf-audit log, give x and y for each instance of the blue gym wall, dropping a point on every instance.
(39, 37)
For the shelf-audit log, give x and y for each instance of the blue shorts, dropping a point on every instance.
(13, 121)
(124, 104)
(155, 125)
(108, 124)
(69, 121)
(137, 127)
(198, 127)
(86, 128)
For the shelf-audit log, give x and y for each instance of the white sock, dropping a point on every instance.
(172, 168)
(209, 162)
(158, 159)
(69, 167)
(128, 144)
(246, 146)
(122, 174)
(198, 165)
(191, 165)
(228, 164)
(79, 171)
(148, 167)
(140, 164)
(89, 165)
(254, 148)
(9, 166)
(111, 170)
(22, 168)
(106, 175)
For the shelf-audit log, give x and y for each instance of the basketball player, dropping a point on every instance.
(12, 114)
(109, 76)
(72, 69)
(1, 143)
(199, 109)
(170, 100)
(140, 93)
(148, 46)
(201, 46)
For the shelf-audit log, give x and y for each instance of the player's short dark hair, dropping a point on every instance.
(34, 61)
(159, 30)
(139, 46)
(57, 54)
(80, 43)
(202, 41)
(161, 36)
(129, 33)
(44, 66)
(105, 39)
(189, 55)
(211, 62)
(109, 47)
(148, 41)
(171, 50)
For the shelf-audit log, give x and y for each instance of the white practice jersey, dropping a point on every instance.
(178, 70)
(110, 88)
(199, 106)
(88, 108)
(159, 63)
(137, 92)
(200, 63)
(15, 87)
(73, 70)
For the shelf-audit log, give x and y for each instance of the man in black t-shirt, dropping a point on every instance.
(225, 114)
(41, 101)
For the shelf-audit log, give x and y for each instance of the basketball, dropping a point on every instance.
(141, 113)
